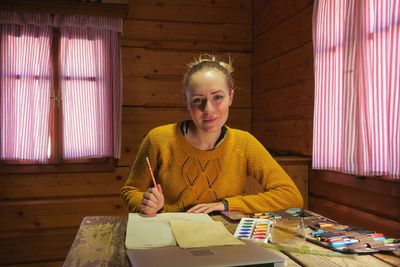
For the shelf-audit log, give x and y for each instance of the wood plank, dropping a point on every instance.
(291, 34)
(199, 47)
(56, 213)
(292, 102)
(299, 175)
(138, 121)
(370, 184)
(351, 216)
(269, 14)
(357, 198)
(287, 70)
(287, 135)
(66, 7)
(36, 246)
(210, 36)
(39, 264)
(139, 91)
(28, 186)
(107, 243)
(221, 11)
(153, 64)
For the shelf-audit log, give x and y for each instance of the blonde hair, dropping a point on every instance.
(209, 62)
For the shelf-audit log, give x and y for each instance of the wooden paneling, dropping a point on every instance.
(211, 12)
(275, 13)
(142, 91)
(153, 64)
(283, 82)
(290, 35)
(38, 186)
(66, 7)
(368, 202)
(35, 246)
(293, 136)
(40, 213)
(187, 36)
(55, 213)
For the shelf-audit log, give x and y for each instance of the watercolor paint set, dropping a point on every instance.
(254, 229)
(345, 238)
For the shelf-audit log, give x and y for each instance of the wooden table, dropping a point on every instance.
(100, 242)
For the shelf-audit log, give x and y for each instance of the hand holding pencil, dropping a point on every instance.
(153, 198)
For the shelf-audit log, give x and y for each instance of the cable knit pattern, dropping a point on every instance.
(189, 176)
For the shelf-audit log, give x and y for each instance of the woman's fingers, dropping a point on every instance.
(153, 200)
(207, 207)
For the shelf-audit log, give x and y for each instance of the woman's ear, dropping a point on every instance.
(232, 92)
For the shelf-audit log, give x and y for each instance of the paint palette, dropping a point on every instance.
(254, 229)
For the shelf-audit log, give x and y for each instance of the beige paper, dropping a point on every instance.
(147, 232)
(202, 234)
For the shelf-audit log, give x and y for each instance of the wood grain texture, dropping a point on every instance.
(269, 14)
(168, 92)
(217, 37)
(352, 216)
(156, 64)
(358, 197)
(285, 135)
(56, 185)
(100, 241)
(366, 201)
(290, 35)
(221, 11)
(55, 213)
(35, 245)
(283, 83)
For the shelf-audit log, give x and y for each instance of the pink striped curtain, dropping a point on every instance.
(90, 86)
(25, 86)
(357, 87)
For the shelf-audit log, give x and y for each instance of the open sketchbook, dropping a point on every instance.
(171, 229)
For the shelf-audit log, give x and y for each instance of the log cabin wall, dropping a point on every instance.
(40, 213)
(283, 79)
(283, 93)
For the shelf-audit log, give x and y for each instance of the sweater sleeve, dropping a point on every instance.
(139, 179)
(280, 192)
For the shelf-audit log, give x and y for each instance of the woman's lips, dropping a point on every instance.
(208, 120)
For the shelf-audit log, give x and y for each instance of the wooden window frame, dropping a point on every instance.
(56, 164)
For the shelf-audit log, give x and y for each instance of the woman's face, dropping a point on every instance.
(208, 99)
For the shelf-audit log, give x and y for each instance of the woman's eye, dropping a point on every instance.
(196, 100)
(218, 97)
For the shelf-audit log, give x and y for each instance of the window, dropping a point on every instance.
(60, 89)
(357, 85)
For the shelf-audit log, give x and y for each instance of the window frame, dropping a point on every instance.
(55, 162)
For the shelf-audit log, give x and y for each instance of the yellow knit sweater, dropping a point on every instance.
(190, 176)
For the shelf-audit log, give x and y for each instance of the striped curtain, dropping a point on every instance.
(25, 86)
(90, 86)
(357, 87)
(90, 77)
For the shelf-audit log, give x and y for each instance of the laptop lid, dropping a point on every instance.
(249, 254)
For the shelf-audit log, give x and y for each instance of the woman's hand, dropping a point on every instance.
(207, 207)
(152, 201)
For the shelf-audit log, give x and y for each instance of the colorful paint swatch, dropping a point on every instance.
(254, 228)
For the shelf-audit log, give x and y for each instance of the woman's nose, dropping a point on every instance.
(208, 106)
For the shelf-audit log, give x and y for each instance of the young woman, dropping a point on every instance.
(201, 165)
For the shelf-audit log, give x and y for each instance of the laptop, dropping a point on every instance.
(249, 254)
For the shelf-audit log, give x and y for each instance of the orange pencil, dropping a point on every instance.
(151, 172)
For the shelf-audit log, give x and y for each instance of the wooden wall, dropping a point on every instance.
(367, 202)
(40, 213)
(283, 93)
(283, 83)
